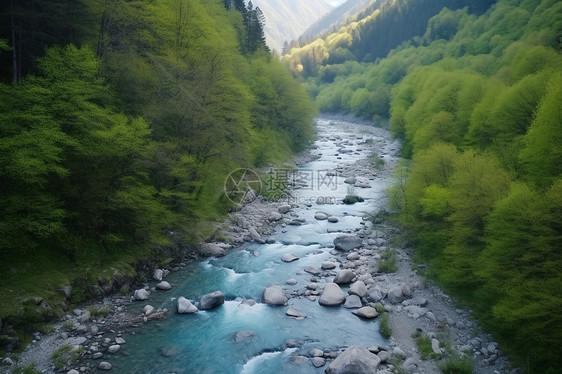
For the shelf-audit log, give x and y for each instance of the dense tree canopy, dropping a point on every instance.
(476, 101)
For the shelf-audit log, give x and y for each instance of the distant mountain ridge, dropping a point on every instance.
(286, 20)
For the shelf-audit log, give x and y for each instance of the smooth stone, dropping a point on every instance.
(185, 306)
(395, 295)
(312, 270)
(435, 346)
(347, 242)
(353, 301)
(274, 295)
(249, 302)
(104, 365)
(148, 310)
(73, 372)
(243, 335)
(274, 217)
(384, 356)
(119, 340)
(410, 364)
(291, 282)
(318, 362)
(97, 355)
(164, 286)
(289, 257)
(353, 256)
(399, 352)
(158, 274)
(344, 276)
(211, 300)
(320, 216)
(211, 249)
(332, 295)
(315, 352)
(333, 219)
(113, 348)
(355, 359)
(366, 312)
(358, 288)
(141, 295)
(291, 312)
(284, 209)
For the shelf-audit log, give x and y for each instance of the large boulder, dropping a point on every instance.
(274, 295)
(344, 276)
(289, 257)
(358, 288)
(274, 216)
(185, 306)
(347, 242)
(211, 249)
(211, 300)
(141, 295)
(354, 360)
(398, 293)
(158, 274)
(366, 312)
(164, 286)
(332, 295)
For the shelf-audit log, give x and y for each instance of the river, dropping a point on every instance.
(203, 342)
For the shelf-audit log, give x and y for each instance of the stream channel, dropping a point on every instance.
(203, 342)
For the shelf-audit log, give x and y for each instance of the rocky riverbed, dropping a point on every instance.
(348, 277)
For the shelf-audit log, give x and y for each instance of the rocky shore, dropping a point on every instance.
(417, 310)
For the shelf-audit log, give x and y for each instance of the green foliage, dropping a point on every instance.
(384, 326)
(457, 366)
(65, 354)
(423, 341)
(29, 369)
(388, 262)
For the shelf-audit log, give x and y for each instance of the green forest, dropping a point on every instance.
(476, 98)
(119, 122)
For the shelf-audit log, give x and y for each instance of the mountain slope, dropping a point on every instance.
(286, 20)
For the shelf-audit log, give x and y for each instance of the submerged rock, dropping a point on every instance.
(243, 335)
(289, 257)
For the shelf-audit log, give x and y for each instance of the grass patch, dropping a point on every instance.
(424, 346)
(101, 311)
(376, 161)
(457, 366)
(388, 262)
(384, 326)
(68, 326)
(65, 354)
(29, 369)
(352, 197)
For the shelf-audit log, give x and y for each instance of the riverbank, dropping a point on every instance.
(411, 304)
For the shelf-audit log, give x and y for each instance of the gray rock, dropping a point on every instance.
(332, 295)
(243, 335)
(66, 290)
(97, 355)
(354, 256)
(291, 312)
(158, 274)
(113, 348)
(347, 242)
(211, 300)
(148, 310)
(333, 219)
(211, 249)
(8, 361)
(399, 352)
(415, 311)
(374, 295)
(254, 234)
(312, 270)
(141, 295)
(467, 348)
(73, 372)
(289, 257)
(320, 216)
(353, 301)
(328, 265)
(366, 312)
(291, 282)
(350, 180)
(274, 295)
(384, 356)
(284, 209)
(164, 286)
(119, 340)
(344, 276)
(104, 365)
(356, 360)
(318, 362)
(410, 364)
(185, 306)
(358, 288)
(315, 352)
(395, 295)
(274, 217)
(435, 346)
(249, 302)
